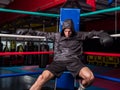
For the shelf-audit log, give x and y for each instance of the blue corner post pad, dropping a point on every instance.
(65, 81)
(70, 13)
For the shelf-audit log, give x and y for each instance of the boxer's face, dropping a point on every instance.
(67, 32)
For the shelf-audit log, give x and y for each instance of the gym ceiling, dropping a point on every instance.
(12, 21)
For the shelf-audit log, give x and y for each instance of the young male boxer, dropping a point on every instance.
(67, 54)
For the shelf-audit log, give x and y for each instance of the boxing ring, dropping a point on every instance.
(113, 79)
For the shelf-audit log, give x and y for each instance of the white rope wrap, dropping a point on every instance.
(21, 36)
(40, 37)
(112, 35)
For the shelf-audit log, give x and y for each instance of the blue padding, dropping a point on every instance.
(65, 81)
(18, 74)
(108, 78)
(70, 13)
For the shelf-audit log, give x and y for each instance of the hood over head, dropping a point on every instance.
(68, 24)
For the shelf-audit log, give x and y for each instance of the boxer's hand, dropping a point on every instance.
(105, 39)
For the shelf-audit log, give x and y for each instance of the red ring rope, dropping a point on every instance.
(51, 52)
(24, 53)
(103, 54)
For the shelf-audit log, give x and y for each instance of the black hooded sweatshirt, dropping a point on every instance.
(71, 48)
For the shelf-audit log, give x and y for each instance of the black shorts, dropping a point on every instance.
(58, 67)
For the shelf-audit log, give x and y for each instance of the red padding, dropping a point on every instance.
(24, 53)
(102, 54)
(51, 52)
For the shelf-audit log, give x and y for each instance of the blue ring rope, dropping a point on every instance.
(33, 73)
(19, 74)
(107, 78)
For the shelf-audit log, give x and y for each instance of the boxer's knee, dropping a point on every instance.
(46, 75)
(87, 76)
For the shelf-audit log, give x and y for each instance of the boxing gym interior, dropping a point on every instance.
(24, 57)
